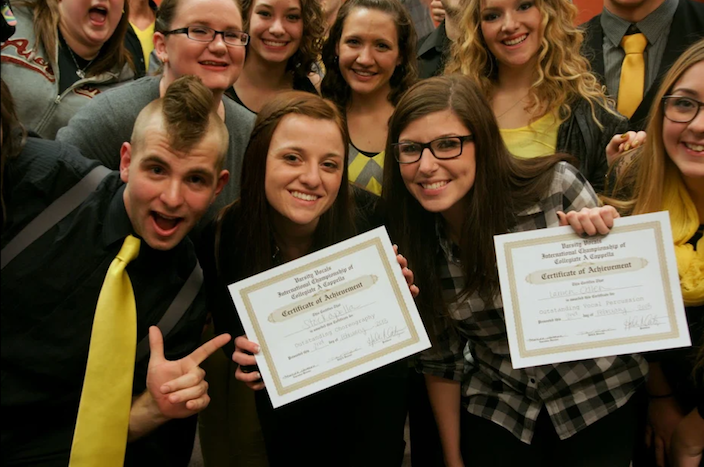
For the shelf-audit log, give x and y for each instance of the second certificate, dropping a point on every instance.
(329, 316)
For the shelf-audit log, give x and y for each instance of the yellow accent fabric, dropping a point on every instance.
(100, 436)
(684, 221)
(145, 38)
(357, 166)
(630, 87)
(535, 140)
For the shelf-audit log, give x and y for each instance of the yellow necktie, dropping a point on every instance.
(100, 437)
(630, 87)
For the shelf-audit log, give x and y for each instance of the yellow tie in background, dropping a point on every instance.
(631, 85)
(100, 437)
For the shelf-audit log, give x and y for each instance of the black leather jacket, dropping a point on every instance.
(581, 137)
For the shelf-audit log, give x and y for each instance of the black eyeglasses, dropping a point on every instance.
(447, 147)
(206, 34)
(680, 109)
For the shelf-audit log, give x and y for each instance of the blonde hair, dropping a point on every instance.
(562, 72)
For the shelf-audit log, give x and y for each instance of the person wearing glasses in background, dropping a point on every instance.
(194, 37)
(667, 173)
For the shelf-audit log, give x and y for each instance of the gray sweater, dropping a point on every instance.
(100, 128)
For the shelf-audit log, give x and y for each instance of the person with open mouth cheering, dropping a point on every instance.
(62, 55)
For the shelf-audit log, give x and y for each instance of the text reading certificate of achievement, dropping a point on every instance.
(570, 298)
(329, 316)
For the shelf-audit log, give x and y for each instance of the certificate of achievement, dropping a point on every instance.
(570, 298)
(329, 316)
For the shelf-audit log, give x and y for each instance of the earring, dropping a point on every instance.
(336, 59)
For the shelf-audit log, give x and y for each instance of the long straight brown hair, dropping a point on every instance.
(503, 186)
(113, 54)
(250, 214)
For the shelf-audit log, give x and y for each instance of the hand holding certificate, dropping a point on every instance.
(570, 298)
(329, 316)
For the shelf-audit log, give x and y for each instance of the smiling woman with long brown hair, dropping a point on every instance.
(296, 200)
(450, 186)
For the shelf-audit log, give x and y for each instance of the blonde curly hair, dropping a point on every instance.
(563, 74)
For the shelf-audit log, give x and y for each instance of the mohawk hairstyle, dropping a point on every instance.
(186, 115)
(186, 109)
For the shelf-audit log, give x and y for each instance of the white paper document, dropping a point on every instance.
(570, 298)
(330, 316)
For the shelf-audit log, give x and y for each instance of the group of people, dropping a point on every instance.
(273, 128)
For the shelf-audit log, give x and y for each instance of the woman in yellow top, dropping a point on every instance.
(667, 173)
(142, 20)
(525, 55)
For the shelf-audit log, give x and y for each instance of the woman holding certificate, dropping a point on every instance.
(295, 199)
(667, 173)
(452, 185)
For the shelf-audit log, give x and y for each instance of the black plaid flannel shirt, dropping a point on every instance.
(475, 351)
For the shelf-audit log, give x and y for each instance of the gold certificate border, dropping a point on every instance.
(246, 292)
(656, 227)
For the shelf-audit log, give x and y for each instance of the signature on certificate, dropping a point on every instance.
(384, 335)
(639, 322)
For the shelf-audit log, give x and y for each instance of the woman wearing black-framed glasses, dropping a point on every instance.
(450, 185)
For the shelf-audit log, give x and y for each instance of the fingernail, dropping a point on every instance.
(164, 389)
(259, 376)
(636, 143)
(256, 349)
(624, 136)
(627, 147)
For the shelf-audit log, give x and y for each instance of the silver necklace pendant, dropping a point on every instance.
(81, 74)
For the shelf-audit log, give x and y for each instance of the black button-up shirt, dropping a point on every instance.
(49, 295)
